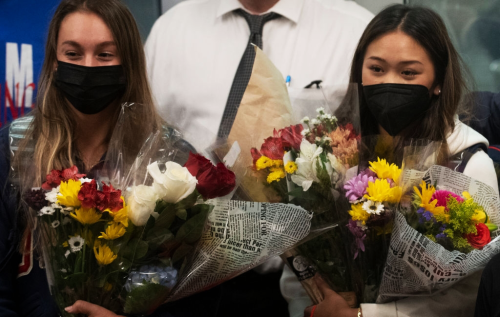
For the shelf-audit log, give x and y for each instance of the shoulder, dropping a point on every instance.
(481, 168)
(348, 10)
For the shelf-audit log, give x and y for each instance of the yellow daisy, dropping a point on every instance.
(290, 167)
(68, 193)
(358, 213)
(113, 231)
(86, 216)
(275, 175)
(384, 170)
(378, 190)
(103, 253)
(121, 216)
(263, 162)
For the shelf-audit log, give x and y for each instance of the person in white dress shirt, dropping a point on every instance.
(194, 49)
(193, 53)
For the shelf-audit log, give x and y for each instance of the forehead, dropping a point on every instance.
(397, 46)
(85, 28)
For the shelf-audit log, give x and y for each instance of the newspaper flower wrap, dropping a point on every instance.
(424, 262)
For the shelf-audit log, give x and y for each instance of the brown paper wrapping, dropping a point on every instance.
(265, 106)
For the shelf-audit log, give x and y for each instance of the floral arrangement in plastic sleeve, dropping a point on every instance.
(304, 166)
(124, 253)
(454, 221)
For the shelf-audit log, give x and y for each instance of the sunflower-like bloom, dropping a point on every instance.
(86, 216)
(381, 191)
(384, 170)
(113, 231)
(358, 213)
(68, 193)
(290, 167)
(425, 199)
(275, 175)
(103, 253)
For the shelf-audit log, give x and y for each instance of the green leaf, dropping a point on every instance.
(135, 249)
(191, 231)
(149, 225)
(181, 252)
(181, 213)
(189, 201)
(166, 218)
(162, 205)
(146, 298)
(158, 236)
(75, 279)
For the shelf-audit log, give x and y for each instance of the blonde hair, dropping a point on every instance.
(53, 128)
(49, 140)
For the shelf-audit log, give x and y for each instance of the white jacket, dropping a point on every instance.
(458, 300)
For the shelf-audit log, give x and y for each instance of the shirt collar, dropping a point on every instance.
(290, 9)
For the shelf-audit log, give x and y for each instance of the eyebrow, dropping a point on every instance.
(403, 62)
(100, 45)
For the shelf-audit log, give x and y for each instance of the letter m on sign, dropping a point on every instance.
(19, 84)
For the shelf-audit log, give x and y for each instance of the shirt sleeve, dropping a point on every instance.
(480, 167)
(8, 264)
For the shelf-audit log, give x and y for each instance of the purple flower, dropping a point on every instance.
(356, 186)
(359, 236)
(441, 234)
(425, 216)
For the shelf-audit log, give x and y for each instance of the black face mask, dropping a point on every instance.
(396, 106)
(90, 89)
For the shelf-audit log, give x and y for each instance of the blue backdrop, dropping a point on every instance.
(23, 30)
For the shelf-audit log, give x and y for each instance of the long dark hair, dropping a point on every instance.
(428, 29)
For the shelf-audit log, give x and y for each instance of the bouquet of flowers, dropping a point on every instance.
(305, 166)
(446, 230)
(374, 195)
(124, 250)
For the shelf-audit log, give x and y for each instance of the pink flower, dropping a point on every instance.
(442, 197)
(356, 186)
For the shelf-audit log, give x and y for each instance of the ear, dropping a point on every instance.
(437, 90)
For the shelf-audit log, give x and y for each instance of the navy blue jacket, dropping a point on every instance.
(487, 116)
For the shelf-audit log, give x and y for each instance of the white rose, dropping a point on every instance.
(175, 184)
(141, 204)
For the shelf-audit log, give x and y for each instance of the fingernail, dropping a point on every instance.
(68, 309)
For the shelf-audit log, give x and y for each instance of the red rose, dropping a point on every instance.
(88, 194)
(197, 164)
(482, 238)
(291, 136)
(273, 148)
(213, 181)
(71, 173)
(52, 180)
(216, 182)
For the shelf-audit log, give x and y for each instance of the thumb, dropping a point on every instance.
(82, 307)
(323, 286)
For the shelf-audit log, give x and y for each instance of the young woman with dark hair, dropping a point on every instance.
(410, 85)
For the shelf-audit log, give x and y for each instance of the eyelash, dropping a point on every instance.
(407, 73)
(411, 73)
(73, 54)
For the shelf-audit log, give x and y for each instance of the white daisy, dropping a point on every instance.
(66, 220)
(85, 180)
(46, 211)
(318, 139)
(315, 121)
(305, 132)
(320, 110)
(305, 120)
(373, 207)
(327, 139)
(76, 243)
(52, 195)
(67, 253)
(66, 211)
(55, 223)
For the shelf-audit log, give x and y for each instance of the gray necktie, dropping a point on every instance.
(242, 77)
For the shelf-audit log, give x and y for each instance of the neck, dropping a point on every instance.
(258, 6)
(93, 133)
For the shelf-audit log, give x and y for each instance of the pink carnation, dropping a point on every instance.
(442, 197)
